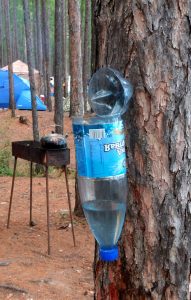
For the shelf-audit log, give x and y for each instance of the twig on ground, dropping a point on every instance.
(13, 288)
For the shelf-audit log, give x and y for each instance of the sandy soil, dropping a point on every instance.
(26, 271)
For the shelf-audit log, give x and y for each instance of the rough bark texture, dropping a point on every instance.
(58, 89)
(86, 56)
(75, 58)
(149, 41)
(76, 98)
(46, 53)
(78, 211)
(30, 55)
(9, 58)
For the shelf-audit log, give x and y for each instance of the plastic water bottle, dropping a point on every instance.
(101, 160)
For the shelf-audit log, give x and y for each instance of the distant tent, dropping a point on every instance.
(21, 93)
(21, 69)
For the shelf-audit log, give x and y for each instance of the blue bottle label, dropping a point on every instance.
(100, 149)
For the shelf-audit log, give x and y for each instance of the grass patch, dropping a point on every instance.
(5, 157)
(23, 167)
(7, 165)
(71, 173)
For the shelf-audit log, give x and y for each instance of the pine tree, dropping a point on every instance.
(149, 42)
(9, 57)
(30, 59)
(58, 88)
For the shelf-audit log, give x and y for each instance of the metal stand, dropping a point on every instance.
(47, 206)
(12, 188)
(31, 223)
(69, 204)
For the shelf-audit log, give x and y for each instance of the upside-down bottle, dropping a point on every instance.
(101, 159)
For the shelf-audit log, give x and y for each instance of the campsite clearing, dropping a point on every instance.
(26, 271)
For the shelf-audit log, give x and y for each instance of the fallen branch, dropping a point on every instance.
(13, 288)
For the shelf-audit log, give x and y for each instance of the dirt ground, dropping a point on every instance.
(26, 271)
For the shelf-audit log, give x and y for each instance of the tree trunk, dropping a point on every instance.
(4, 46)
(22, 41)
(78, 211)
(150, 43)
(15, 31)
(86, 56)
(39, 35)
(45, 92)
(82, 25)
(76, 97)
(30, 56)
(46, 53)
(58, 89)
(67, 56)
(34, 34)
(1, 36)
(9, 57)
(75, 59)
(64, 47)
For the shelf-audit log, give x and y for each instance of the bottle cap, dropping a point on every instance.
(109, 254)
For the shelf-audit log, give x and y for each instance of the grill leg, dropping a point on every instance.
(12, 188)
(47, 205)
(30, 221)
(69, 204)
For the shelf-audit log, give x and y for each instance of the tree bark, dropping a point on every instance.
(75, 59)
(15, 31)
(76, 97)
(64, 47)
(86, 56)
(67, 52)
(39, 34)
(30, 56)
(4, 46)
(78, 210)
(58, 89)
(82, 23)
(22, 41)
(46, 53)
(34, 34)
(1, 35)
(150, 43)
(9, 57)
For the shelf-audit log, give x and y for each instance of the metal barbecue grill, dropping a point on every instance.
(33, 152)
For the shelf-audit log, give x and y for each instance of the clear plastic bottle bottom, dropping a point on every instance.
(105, 219)
(104, 204)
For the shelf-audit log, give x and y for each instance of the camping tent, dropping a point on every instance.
(21, 93)
(21, 69)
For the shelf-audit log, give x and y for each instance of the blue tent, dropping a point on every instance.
(21, 93)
